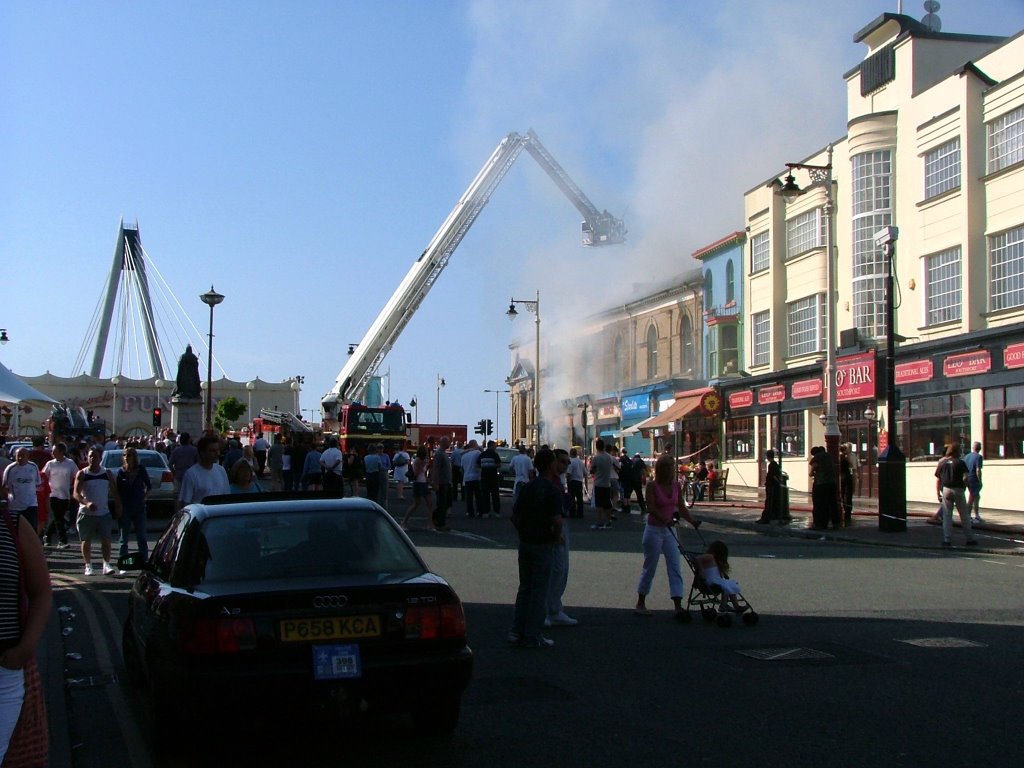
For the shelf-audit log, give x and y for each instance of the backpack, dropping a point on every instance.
(402, 459)
(948, 474)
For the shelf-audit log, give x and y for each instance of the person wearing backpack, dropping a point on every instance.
(951, 485)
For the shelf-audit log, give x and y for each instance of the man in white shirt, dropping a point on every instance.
(207, 477)
(60, 472)
(577, 476)
(21, 480)
(332, 462)
(522, 466)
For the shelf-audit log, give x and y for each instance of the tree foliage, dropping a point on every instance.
(227, 411)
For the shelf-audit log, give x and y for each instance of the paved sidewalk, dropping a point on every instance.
(1002, 531)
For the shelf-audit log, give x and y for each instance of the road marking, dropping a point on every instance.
(941, 642)
(85, 593)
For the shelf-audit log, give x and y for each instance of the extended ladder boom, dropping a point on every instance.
(599, 228)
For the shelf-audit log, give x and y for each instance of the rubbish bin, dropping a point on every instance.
(784, 516)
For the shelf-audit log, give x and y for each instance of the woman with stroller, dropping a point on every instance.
(664, 506)
(714, 569)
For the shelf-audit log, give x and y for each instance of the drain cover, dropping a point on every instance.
(942, 642)
(785, 654)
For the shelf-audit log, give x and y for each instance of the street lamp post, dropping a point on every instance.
(250, 387)
(534, 307)
(822, 174)
(440, 383)
(114, 381)
(211, 298)
(296, 387)
(415, 405)
(892, 463)
(584, 423)
(497, 392)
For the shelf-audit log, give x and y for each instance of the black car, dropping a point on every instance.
(252, 606)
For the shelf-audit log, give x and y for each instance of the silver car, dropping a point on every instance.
(161, 479)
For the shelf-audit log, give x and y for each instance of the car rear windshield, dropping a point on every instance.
(152, 461)
(306, 544)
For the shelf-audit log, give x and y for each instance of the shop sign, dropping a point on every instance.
(742, 399)
(608, 412)
(774, 394)
(806, 388)
(1013, 356)
(636, 405)
(968, 364)
(919, 370)
(855, 377)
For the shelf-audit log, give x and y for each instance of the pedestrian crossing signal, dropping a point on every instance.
(158, 417)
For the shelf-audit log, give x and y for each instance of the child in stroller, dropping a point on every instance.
(713, 592)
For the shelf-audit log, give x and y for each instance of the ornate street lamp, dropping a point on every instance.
(211, 298)
(534, 307)
(822, 174)
(440, 383)
(114, 381)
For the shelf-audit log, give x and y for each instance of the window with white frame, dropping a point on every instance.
(1006, 269)
(872, 210)
(709, 290)
(730, 282)
(805, 232)
(942, 286)
(942, 169)
(711, 347)
(760, 252)
(761, 342)
(806, 322)
(1006, 140)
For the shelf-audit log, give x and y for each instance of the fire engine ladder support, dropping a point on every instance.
(600, 229)
(285, 419)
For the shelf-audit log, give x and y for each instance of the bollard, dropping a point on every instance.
(784, 516)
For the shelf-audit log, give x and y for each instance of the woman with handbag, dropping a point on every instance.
(25, 601)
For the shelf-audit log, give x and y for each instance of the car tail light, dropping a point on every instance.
(167, 477)
(218, 635)
(430, 622)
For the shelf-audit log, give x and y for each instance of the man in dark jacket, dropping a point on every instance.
(537, 516)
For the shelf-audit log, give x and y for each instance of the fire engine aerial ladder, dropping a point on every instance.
(599, 228)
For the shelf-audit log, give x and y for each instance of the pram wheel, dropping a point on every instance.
(750, 618)
(724, 620)
(708, 614)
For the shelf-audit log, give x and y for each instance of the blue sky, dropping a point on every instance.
(300, 155)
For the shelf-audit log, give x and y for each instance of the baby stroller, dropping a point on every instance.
(707, 598)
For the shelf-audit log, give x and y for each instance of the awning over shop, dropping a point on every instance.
(674, 412)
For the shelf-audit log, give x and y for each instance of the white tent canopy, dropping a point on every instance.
(14, 390)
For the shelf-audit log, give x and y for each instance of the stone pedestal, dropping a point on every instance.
(187, 416)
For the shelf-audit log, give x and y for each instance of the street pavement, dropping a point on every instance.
(1001, 533)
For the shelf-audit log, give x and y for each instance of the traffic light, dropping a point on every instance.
(158, 417)
(481, 427)
(489, 427)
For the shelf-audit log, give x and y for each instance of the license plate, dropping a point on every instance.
(334, 662)
(329, 628)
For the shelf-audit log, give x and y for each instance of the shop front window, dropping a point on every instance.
(1004, 422)
(739, 439)
(928, 424)
(794, 439)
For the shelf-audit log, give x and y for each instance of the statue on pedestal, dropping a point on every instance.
(187, 382)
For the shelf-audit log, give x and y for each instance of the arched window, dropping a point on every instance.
(618, 364)
(709, 294)
(686, 338)
(652, 352)
(730, 282)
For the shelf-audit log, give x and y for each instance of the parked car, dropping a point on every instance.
(507, 477)
(161, 479)
(263, 606)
